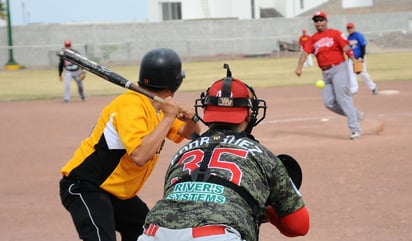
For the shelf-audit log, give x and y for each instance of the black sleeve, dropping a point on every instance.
(363, 51)
(61, 65)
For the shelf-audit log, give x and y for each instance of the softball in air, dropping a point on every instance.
(320, 84)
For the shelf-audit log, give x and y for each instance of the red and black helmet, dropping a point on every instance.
(230, 100)
(161, 69)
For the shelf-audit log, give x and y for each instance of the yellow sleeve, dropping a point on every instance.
(134, 121)
(173, 134)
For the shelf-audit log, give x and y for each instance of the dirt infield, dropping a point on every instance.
(355, 190)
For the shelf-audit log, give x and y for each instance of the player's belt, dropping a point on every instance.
(71, 67)
(197, 232)
(328, 67)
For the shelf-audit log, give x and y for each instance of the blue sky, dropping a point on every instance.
(69, 11)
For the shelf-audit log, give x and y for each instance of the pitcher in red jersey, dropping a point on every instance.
(329, 46)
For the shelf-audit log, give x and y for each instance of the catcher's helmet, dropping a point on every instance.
(67, 43)
(229, 100)
(161, 69)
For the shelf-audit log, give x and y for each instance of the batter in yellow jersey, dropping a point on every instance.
(104, 157)
(101, 180)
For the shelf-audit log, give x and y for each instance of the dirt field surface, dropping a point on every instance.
(354, 189)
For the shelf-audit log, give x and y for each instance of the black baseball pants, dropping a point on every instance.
(97, 215)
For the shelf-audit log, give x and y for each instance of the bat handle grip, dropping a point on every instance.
(158, 99)
(133, 86)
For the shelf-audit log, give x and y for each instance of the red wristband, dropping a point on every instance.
(349, 53)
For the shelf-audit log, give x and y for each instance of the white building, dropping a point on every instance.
(163, 10)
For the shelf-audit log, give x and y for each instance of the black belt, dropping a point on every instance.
(328, 67)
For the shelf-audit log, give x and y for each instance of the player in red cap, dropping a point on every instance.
(302, 40)
(358, 44)
(71, 71)
(224, 184)
(329, 46)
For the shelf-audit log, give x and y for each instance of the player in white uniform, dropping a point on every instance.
(358, 43)
(71, 71)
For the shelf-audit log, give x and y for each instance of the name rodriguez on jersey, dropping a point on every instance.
(251, 147)
(197, 191)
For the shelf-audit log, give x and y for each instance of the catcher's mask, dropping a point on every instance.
(161, 69)
(229, 100)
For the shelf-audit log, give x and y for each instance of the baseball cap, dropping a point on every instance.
(350, 25)
(67, 43)
(233, 109)
(319, 14)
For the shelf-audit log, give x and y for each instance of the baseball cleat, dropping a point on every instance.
(355, 135)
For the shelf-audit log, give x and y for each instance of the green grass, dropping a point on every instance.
(27, 84)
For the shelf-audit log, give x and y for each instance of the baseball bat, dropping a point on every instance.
(104, 72)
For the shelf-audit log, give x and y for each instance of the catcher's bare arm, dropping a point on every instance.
(103, 72)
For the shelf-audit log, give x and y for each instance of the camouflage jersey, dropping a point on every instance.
(238, 158)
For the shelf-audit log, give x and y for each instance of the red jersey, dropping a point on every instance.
(327, 47)
(303, 39)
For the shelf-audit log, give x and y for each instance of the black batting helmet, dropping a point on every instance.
(161, 69)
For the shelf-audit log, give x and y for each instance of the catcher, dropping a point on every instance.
(71, 71)
(224, 184)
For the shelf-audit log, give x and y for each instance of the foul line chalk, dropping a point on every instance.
(328, 118)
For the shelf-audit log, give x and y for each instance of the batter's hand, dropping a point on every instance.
(186, 113)
(169, 107)
(61, 78)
